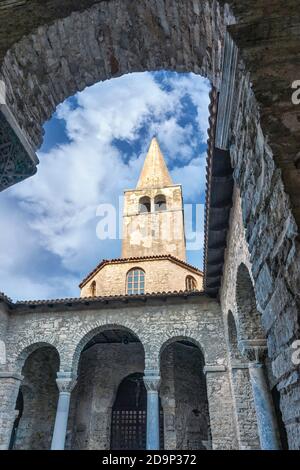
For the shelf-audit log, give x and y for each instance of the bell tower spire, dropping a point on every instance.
(155, 173)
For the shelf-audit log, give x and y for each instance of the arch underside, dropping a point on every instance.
(60, 59)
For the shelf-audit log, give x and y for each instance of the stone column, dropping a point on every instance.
(245, 414)
(65, 382)
(152, 382)
(9, 388)
(221, 413)
(255, 351)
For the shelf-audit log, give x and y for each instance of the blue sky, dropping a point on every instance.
(94, 147)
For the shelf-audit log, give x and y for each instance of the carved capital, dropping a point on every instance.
(152, 380)
(214, 368)
(65, 382)
(254, 350)
(15, 375)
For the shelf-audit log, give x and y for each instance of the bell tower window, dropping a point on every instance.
(144, 204)
(160, 203)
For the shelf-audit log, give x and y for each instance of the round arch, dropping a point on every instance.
(232, 333)
(249, 319)
(26, 351)
(112, 48)
(88, 336)
(180, 338)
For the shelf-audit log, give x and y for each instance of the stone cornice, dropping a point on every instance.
(117, 301)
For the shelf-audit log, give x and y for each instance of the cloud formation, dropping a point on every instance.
(48, 237)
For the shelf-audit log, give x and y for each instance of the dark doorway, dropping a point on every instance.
(19, 408)
(129, 415)
(281, 427)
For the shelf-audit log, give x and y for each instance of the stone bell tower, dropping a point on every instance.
(153, 221)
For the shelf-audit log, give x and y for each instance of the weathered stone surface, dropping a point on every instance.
(157, 326)
(42, 69)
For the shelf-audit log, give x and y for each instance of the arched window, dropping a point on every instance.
(190, 283)
(93, 288)
(160, 203)
(144, 204)
(135, 281)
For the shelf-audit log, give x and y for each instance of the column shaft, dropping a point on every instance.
(266, 419)
(65, 382)
(152, 382)
(152, 420)
(61, 421)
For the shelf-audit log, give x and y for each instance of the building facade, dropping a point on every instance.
(144, 358)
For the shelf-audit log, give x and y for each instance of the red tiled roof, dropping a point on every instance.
(5, 298)
(137, 259)
(105, 299)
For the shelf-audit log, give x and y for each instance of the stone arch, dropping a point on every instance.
(42, 69)
(232, 332)
(26, 351)
(175, 339)
(183, 393)
(160, 203)
(249, 318)
(144, 204)
(89, 335)
(101, 352)
(40, 394)
(247, 436)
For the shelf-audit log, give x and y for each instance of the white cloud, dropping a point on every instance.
(191, 177)
(52, 215)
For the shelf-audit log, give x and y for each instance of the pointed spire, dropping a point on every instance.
(155, 173)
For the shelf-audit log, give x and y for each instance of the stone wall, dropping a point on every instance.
(106, 40)
(192, 415)
(40, 395)
(271, 236)
(42, 69)
(102, 368)
(156, 323)
(161, 275)
(154, 233)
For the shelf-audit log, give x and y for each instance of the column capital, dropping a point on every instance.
(239, 365)
(65, 382)
(255, 350)
(11, 375)
(214, 368)
(152, 380)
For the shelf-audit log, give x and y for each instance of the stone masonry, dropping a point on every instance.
(39, 66)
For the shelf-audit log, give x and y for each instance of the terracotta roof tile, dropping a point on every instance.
(106, 299)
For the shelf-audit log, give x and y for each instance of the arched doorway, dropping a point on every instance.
(253, 345)
(37, 401)
(129, 415)
(19, 410)
(184, 397)
(106, 359)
